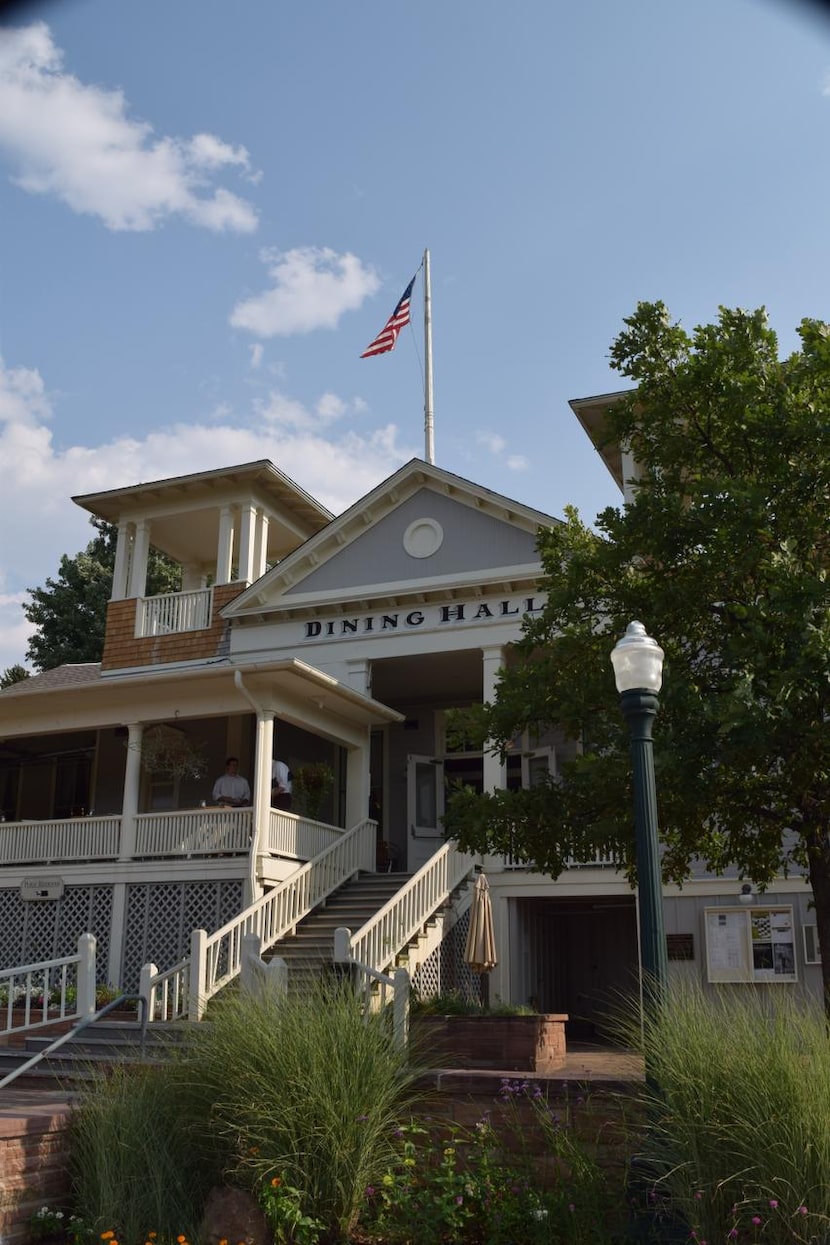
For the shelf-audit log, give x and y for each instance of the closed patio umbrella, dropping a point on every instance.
(480, 951)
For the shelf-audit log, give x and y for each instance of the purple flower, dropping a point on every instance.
(773, 1204)
(802, 1210)
(756, 1219)
(370, 1190)
(732, 1233)
(459, 1199)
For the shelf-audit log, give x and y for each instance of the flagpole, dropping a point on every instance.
(429, 434)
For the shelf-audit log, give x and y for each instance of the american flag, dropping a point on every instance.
(388, 335)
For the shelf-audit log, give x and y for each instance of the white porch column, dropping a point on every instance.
(224, 550)
(261, 795)
(357, 783)
(122, 561)
(247, 541)
(132, 781)
(138, 565)
(261, 546)
(494, 770)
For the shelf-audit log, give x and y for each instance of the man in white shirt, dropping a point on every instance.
(231, 789)
(280, 786)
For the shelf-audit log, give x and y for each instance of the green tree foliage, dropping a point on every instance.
(12, 675)
(723, 555)
(70, 612)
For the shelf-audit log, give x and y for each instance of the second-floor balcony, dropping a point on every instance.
(174, 612)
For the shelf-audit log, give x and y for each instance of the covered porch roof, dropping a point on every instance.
(293, 690)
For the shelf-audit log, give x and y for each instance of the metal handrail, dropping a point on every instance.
(76, 1029)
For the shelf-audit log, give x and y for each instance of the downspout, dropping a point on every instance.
(262, 780)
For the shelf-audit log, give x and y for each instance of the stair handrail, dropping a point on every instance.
(84, 1023)
(387, 933)
(372, 988)
(215, 959)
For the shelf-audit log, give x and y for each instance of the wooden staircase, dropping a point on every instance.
(91, 1054)
(309, 951)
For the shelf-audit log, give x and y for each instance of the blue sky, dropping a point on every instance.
(209, 211)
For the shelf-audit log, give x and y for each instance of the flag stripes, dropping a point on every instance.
(388, 335)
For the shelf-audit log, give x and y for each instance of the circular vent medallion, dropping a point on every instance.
(423, 538)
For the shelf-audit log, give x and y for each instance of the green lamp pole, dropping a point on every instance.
(638, 671)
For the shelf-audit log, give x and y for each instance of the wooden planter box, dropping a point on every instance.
(509, 1043)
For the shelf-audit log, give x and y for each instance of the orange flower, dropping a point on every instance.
(107, 1236)
(276, 1182)
(182, 1240)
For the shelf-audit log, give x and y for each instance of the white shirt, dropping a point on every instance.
(232, 787)
(280, 776)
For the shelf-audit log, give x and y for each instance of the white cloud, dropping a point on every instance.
(39, 479)
(491, 441)
(77, 142)
(517, 462)
(312, 288)
(257, 351)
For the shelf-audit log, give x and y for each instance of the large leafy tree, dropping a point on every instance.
(723, 554)
(70, 612)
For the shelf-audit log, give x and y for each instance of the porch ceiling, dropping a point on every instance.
(457, 676)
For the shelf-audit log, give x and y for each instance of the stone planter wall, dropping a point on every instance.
(509, 1043)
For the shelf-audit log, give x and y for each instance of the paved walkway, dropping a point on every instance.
(592, 1064)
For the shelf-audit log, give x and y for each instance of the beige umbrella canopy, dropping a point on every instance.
(480, 951)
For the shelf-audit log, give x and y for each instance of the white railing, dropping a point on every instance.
(34, 995)
(187, 987)
(194, 832)
(176, 611)
(401, 919)
(292, 835)
(48, 842)
(599, 860)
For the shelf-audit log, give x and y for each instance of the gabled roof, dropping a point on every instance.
(370, 510)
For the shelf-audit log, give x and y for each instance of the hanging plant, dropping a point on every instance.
(311, 784)
(169, 751)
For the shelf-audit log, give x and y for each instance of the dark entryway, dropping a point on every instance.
(576, 955)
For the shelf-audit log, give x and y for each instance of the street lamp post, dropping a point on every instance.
(638, 671)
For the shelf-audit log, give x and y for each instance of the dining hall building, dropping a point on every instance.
(333, 641)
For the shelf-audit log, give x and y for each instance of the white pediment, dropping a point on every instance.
(422, 531)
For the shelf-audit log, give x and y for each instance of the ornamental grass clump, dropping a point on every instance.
(738, 1134)
(307, 1090)
(137, 1163)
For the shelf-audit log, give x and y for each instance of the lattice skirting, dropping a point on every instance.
(161, 917)
(44, 929)
(159, 920)
(445, 971)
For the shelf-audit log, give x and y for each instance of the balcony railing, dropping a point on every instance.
(47, 842)
(186, 833)
(174, 612)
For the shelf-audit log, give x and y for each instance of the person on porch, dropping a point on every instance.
(231, 790)
(281, 786)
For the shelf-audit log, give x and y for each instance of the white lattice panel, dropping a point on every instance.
(161, 917)
(44, 929)
(445, 970)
